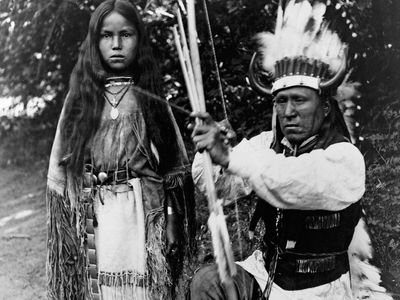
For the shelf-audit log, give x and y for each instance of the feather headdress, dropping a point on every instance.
(303, 51)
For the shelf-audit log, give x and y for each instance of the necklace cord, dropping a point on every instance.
(115, 93)
(115, 104)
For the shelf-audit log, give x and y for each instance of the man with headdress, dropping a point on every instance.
(307, 173)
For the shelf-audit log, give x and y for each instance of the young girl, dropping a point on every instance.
(117, 181)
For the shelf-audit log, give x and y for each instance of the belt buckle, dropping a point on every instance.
(115, 176)
(120, 176)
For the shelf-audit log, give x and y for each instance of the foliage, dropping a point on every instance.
(40, 41)
(39, 44)
(383, 189)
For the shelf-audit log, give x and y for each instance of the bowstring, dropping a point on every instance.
(221, 92)
(162, 100)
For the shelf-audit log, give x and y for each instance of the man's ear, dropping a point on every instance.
(327, 107)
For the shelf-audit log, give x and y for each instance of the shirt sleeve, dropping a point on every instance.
(329, 179)
(228, 186)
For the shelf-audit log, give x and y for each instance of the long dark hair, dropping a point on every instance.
(85, 102)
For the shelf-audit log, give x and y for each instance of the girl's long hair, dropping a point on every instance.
(85, 102)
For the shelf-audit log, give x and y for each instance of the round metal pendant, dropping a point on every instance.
(102, 176)
(114, 113)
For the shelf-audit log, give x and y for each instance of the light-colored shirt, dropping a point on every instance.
(328, 179)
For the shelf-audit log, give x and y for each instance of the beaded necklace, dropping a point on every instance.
(115, 101)
(118, 80)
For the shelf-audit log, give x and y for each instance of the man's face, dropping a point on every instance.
(300, 113)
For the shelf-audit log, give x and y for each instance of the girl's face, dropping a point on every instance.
(118, 42)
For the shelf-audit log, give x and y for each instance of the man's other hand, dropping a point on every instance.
(209, 135)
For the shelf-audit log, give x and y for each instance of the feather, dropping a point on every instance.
(288, 8)
(314, 24)
(267, 46)
(303, 16)
(365, 278)
(279, 19)
(221, 244)
(318, 13)
(296, 16)
(301, 31)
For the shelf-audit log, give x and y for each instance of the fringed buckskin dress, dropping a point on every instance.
(116, 226)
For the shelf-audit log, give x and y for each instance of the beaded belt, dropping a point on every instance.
(110, 177)
(315, 265)
(115, 176)
(306, 263)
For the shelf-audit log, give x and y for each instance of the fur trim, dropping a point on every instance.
(157, 267)
(66, 262)
(174, 180)
(365, 278)
(346, 95)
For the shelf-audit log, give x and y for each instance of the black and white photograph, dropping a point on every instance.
(199, 150)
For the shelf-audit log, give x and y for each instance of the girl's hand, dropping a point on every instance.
(172, 235)
(208, 135)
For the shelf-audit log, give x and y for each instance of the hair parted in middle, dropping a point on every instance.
(85, 102)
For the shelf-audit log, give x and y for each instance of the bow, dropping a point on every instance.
(190, 64)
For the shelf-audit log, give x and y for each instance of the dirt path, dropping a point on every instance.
(22, 234)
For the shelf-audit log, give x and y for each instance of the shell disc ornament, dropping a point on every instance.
(114, 113)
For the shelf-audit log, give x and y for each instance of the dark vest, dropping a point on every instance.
(311, 244)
